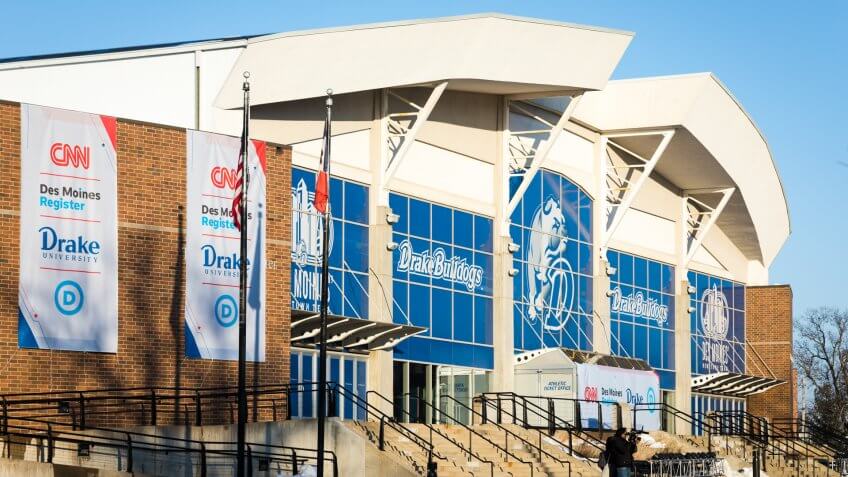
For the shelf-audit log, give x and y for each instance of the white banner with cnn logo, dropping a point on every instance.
(212, 248)
(68, 287)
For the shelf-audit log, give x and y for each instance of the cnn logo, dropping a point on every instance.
(66, 155)
(590, 393)
(223, 177)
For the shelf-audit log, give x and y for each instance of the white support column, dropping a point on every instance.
(629, 192)
(601, 336)
(503, 376)
(404, 137)
(538, 157)
(380, 363)
(702, 220)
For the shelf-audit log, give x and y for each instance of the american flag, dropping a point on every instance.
(322, 186)
(239, 189)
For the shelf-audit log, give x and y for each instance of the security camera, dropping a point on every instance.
(691, 309)
(611, 270)
(609, 293)
(690, 289)
(391, 246)
(513, 247)
(392, 219)
(512, 272)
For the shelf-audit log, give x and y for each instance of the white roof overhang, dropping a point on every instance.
(717, 145)
(486, 53)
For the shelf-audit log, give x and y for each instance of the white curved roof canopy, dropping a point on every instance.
(487, 53)
(716, 145)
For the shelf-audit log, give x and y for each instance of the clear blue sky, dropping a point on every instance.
(785, 61)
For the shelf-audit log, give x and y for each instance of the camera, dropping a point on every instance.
(633, 435)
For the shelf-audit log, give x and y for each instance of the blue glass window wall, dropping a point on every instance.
(717, 324)
(553, 288)
(348, 239)
(443, 271)
(642, 312)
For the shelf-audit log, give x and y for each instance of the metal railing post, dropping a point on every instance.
(601, 420)
(202, 459)
(335, 466)
(152, 406)
(294, 462)
(382, 436)
(5, 416)
(499, 408)
(249, 460)
(551, 424)
(484, 418)
(198, 408)
(288, 404)
(82, 411)
(49, 444)
(129, 453)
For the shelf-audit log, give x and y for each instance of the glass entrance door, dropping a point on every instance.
(420, 389)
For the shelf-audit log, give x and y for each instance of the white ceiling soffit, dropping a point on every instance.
(717, 145)
(489, 53)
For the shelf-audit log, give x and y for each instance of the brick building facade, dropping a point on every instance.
(151, 238)
(769, 335)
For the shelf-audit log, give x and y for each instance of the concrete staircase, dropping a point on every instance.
(740, 453)
(494, 452)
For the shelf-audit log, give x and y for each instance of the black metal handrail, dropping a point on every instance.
(554, 422)
(756, 431)
(485, 403)
(507, 433)
(469, 451)
(814, 433)
(48, 436)
(144, 405)
(471, 432)
(577, 409)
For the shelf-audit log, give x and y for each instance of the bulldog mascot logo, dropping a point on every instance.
(549, 276)
(714, 314)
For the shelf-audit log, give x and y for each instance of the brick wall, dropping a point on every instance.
(151, 238)
(768, 329)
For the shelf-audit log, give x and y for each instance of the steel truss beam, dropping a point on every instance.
(699, 217)
(620, 189)
(524, 154)
(402, 128)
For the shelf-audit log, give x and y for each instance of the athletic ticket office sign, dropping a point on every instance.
(213, 247)
(68, 289)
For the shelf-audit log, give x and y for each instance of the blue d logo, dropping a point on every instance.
(226, 310)
(68, 297)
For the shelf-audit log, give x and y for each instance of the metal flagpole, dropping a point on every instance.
(242, 327)
(325, 275)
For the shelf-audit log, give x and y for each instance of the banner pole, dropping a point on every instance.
(242, 325)
(325, 288)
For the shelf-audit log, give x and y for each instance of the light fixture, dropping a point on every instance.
(512, 272)
(611, 270)
(513, 247)
(392, 219)
(690, 289)
(609, 293)
(691, 309)
(391, 246)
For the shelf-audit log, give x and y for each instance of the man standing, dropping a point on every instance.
(620, 454)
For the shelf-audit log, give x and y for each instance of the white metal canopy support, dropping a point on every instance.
(699, 217)
(620, 197)
(400, 135)
(527, 158)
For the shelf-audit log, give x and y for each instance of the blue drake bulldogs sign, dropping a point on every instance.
(553, 289)
(442, 281)
(348, 246)
(642, 317)
(212, 249)
(718, 332)
(68, 293)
